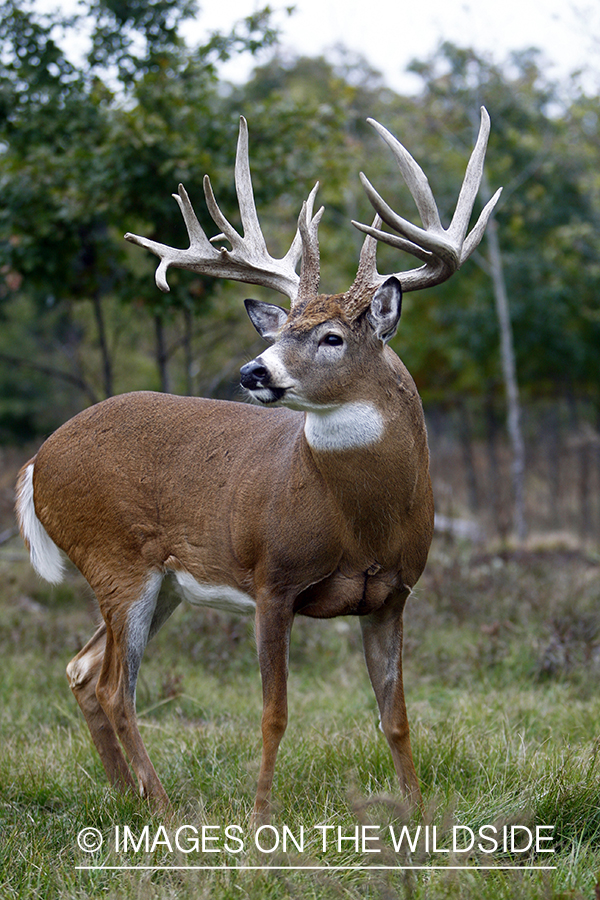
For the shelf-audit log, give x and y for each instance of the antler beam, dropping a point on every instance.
(248, 260)
(442, 250)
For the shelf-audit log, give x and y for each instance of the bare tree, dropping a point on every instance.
(509, 370)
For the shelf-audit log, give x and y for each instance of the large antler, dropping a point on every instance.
(248, 260)
(442, 250)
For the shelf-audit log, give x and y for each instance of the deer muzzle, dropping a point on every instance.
(256, 378)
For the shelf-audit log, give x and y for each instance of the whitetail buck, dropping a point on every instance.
(321, 508)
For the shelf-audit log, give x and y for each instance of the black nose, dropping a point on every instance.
(254, 375)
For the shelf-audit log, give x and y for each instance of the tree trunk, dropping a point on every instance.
(468, 455)
(495, 495)
(509, 372)
(554, 451)
(581, 443)
(161, 354)
(107, 374)
(597, 455)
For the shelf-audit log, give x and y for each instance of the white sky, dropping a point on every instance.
(389, 33)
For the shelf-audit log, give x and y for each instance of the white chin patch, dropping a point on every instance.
(346, 427)
(265, 395)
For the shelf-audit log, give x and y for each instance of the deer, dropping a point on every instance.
(312, 500)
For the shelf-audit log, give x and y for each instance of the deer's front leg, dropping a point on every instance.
(382, 641)
(273, 627)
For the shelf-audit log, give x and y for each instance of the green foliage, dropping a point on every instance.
(81, 163)
(118, 26)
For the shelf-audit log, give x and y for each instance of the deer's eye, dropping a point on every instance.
(332, 340)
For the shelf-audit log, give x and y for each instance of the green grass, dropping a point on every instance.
(502, 668)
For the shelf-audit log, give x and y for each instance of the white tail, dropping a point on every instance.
(321, 506)
(46, 558)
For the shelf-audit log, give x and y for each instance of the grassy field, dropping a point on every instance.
(502, 668)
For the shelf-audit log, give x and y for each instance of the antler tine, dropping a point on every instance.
(375, 232)
(472, 180)
(294, 254)
(244, 190)
(227, 230)
(414, 176)
(442, 250)
(308, 226)
(252, 234)
(195, 231)
(473, 239)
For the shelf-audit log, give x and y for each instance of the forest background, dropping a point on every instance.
(104, 113)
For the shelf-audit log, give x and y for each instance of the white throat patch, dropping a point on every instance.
(344, 427)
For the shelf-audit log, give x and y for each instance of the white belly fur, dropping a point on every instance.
(217, 596)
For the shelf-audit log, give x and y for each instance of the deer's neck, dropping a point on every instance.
(374, 460)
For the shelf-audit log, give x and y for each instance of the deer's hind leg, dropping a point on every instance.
(83, 672)
(104, 675)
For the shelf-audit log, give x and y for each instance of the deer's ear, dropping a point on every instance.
(385, 309)
(267, 318)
